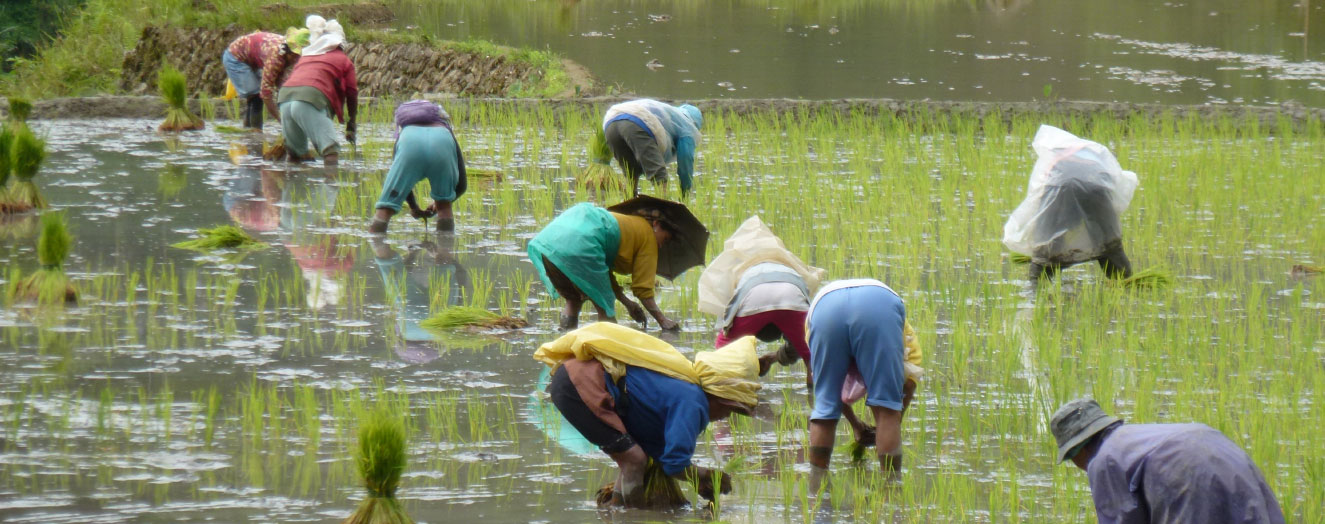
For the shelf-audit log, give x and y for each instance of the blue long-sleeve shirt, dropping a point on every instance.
(681, 133)
(664, 415)
(1177, 473)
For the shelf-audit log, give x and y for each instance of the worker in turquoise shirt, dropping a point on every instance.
(425, 148)
(645, 135)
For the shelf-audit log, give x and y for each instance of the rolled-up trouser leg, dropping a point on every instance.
(568, 402)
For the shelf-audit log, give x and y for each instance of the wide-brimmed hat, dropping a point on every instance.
(1077, 421)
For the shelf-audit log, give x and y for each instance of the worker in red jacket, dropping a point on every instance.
(322, 81)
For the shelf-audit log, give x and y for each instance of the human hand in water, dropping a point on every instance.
(637, 313)
(707, 478)
(668, 324)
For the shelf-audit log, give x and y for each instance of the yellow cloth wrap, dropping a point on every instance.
(731, 372)
(914, 357)
(230, 92)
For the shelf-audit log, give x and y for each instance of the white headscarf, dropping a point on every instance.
(323, 35)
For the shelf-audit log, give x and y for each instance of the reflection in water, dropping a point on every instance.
(267, 201)
(408, 281)
(990, 50)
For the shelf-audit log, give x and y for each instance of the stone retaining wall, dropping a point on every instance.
(383, 69)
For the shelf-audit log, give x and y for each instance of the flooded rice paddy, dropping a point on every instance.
(224, 387)
(1173, 52)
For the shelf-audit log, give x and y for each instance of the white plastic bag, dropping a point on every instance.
(751, 244)
(1076, 192)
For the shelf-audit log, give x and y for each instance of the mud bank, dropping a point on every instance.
(152, 107)
(398, 69)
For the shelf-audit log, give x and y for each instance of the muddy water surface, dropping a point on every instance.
(1223, 51)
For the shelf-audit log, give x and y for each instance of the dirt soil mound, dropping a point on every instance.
(383, 69)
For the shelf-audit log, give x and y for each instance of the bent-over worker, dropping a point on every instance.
(857, 334)
(425, 148)
(255, 64)
(1161, 473)
(654, 408)
(577, 252)
(645, 135)
(322, 82)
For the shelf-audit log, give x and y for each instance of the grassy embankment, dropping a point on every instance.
(86, 58)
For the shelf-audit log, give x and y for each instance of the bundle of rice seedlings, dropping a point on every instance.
(1018, 258)
(469, 316)
(490, 174)
(275, 150)
(19, 109)
(231, 130)
(27, 153)
(1303, 270)
(660, 492)
(381, 460)
(173, 87)
(1149, 278)
(49, 285)
(221, 237)
(599, 174)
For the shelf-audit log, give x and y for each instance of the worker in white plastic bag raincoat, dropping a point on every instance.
(1070, 215)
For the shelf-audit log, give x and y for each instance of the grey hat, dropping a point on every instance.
(1077, 421)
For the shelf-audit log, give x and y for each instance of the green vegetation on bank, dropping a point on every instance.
(28, 25)
(87, 56)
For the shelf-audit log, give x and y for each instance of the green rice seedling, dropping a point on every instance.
(456, 317)
(221, 237)
(659, 492)
(6, 159)
(1018, 258)
(19, 110)
(1149, 278)
(27, 154)
(599, 175)
(381, 458)
(230, 130)
(49, 285)
(174, 89)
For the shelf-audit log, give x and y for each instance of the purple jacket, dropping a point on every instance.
(1177, 473)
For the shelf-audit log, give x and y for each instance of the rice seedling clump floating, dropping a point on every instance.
(457, 317)
(173, 87)
(27, 152)
(381, 460)
(49, 285)
(221, 237)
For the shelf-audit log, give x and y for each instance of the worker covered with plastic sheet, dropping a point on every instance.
(645, 135)
(1077, 191)
(645, 404)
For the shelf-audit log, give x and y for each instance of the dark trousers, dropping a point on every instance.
(568, 402)
(1114, 262)
(636, 151)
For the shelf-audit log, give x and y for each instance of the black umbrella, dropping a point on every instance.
(689, 236)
